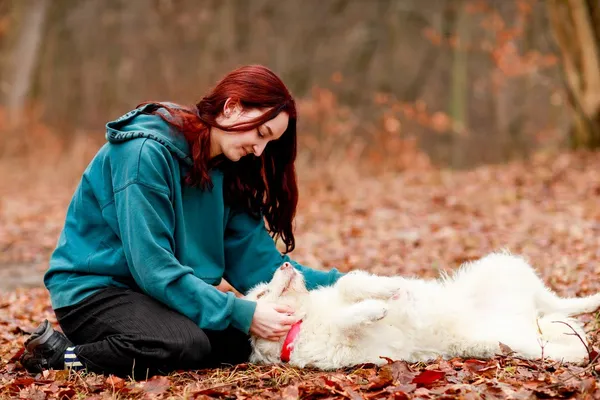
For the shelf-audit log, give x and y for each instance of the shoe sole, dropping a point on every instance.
(42, 338)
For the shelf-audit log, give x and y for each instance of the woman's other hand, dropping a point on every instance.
(272, 321)
(225, 287)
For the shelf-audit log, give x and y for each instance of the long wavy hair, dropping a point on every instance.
(263, 186)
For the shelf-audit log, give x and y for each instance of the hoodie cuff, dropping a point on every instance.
(334, 275)
(242, 314)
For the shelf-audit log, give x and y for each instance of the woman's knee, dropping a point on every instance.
(192, 347)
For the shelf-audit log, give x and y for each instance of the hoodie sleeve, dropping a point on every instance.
(146, 224)
(251, 256)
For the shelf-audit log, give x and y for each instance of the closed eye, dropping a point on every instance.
(261, 294)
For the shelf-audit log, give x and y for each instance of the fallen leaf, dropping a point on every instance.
(66, 393)
(593, 356)
(115, 382)
(307, 390)
(406, 389)
(15, 357)
(428, 377)
(212, 392)
(23, 381)
(382, 379)
(290, 392)
(61, 375)
(589, 385)
(422, 393)
(401, 372)
(487, 369)
(505, 350)
(32, 393)
(156, 385)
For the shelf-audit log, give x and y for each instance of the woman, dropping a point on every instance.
(167, 220)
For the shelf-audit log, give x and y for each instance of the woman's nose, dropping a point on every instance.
(258, 149)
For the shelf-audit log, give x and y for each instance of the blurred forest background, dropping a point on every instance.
(394, 87)
(432, 132)
(465, 81)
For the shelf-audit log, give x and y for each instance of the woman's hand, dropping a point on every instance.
(225, 287)
(272, 321)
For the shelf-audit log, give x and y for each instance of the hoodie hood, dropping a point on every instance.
(139, 123)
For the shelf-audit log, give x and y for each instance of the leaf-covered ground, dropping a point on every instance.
(416, 223)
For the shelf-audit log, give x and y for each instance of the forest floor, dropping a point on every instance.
(414, 223)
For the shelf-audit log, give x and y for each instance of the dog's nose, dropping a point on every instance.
(286, 265)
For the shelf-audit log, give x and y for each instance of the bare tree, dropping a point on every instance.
(82, 62)
(24, 56)
(576, 27)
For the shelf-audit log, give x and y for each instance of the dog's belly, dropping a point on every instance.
(451, 323)
(335, 350)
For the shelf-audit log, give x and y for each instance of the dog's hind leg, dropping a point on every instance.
(512, 274)
(360, 285)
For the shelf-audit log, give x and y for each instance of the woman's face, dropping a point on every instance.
(235, 145)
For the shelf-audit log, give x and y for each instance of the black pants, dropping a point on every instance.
(127, 333)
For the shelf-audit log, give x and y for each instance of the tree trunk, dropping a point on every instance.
(459, 87)
(576, 30)
(24, 57)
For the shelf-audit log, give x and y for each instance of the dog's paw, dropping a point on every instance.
(380, 314)
(374, 310)
(397, 294)
(391, 290)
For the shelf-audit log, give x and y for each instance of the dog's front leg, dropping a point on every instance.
(360, 285)
(361, 313)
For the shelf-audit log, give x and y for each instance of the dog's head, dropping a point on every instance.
(286, 288)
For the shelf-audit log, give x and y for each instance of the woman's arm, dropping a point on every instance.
(146, 222)
(251, 256)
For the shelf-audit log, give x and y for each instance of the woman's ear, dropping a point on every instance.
(232, 108)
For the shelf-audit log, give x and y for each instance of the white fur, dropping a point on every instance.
(363, 317)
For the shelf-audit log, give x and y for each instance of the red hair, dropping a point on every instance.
(264, 185)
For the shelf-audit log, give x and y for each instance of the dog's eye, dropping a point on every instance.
(261, 294)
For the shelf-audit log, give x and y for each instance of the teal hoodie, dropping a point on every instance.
(132, 223)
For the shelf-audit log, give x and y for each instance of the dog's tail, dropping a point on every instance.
(549, 303)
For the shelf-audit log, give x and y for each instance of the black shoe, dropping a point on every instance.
(45, 349)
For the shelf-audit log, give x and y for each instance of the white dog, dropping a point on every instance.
(363, 317)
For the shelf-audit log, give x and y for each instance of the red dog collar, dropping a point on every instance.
(288, 343)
